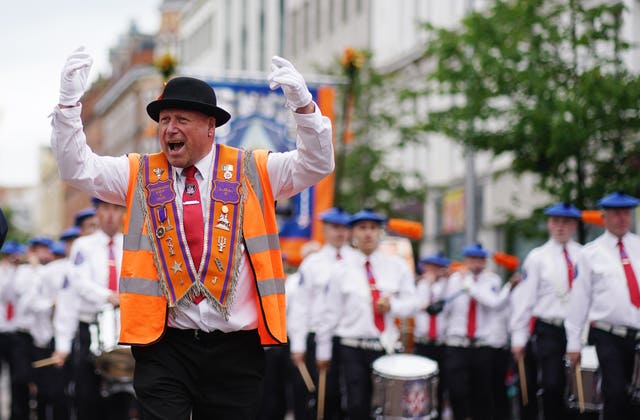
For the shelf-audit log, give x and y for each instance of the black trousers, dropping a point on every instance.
(500, 361)
(206, 376)
(616, 357)
(52, 384)
(470, 382)
(549, 344)
(356, 368)
(87, 401)
(22, 374)
(277, 374)
(529, 411)
(435, 352)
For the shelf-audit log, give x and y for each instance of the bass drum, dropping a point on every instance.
(405, 386)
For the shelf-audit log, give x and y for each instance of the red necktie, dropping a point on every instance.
(9, 311)
(569, 265)
(338, 256)
(433, 321)
(113, 276)
(192, 219)
(632, 282)
(378, 318)
(471, 317)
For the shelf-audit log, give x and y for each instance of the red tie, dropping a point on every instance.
(378, 318)
(471, 317)
(569, 265)
(338, 256)
(433, 321)
(9, 311)
(471, 322)
(192, 219)
(632, 282)
(113, 276)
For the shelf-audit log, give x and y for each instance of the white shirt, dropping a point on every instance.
(305, 313)
(107, 177)
(66, 313)
(50, 281)
(428, 293)
(543, 291)
(348, 309)
(600, 291)
(492, 301)
(7, 274)
(90, 280)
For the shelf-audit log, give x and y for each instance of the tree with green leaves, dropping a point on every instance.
(544, 81)
(363, 176)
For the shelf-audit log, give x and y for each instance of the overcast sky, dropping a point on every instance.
(36, 38)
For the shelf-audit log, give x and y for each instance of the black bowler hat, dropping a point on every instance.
(188, 93)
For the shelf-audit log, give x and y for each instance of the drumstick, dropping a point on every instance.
(523, 381)
(322, 381)
(304, 372)
(44, 362)
(580, 388)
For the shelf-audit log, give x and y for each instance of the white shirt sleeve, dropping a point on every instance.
(579, 304)
(523, 299)
(105, 177)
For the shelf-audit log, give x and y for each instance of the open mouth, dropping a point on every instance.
(176, 146)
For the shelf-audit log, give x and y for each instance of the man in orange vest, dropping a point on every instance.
(202, 283)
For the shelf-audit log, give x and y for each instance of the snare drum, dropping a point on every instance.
(114, 363)
(591, 381)
(404, 386)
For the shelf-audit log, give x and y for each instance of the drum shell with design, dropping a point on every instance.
(404, 387)
(591, 382)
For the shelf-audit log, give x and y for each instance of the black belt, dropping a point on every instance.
(617, 330)
(554, 322)
(206, 337)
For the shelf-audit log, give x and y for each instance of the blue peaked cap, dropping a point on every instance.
(563, 210)
(336, 216)
(436, 259)
(618, 200)
(367, 215)
(70, 233)
(41, 240)
(475, 250)
(13, 248)
(83, 214)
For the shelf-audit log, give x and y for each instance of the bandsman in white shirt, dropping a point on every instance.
(25, 289)
(429, 326)
(548, 273)
(476, 335)
(12, 256)
(96, 260)
(305, 313)
(52, 382)
(605, 297)
(363, 296)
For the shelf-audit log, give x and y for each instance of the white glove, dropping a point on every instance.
(73, 80)
(284, 75)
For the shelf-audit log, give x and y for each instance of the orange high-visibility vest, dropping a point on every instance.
(143, 305)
